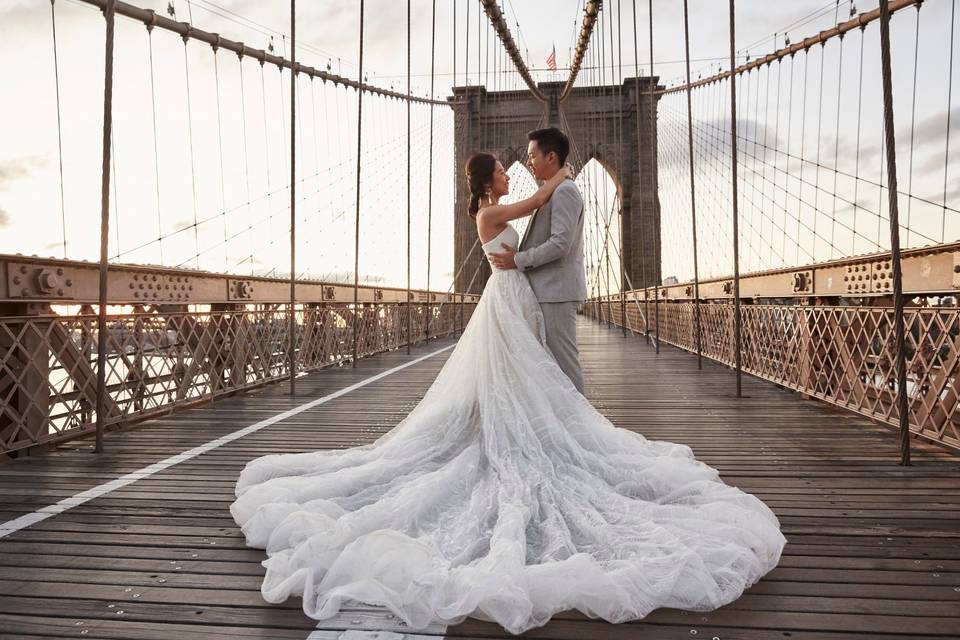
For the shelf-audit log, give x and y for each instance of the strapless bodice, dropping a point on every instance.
(508, 236)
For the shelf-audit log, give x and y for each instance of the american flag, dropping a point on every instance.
(552, 59)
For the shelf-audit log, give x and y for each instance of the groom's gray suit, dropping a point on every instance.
(551, 254)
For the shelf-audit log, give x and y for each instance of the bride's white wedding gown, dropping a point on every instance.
(504, 495)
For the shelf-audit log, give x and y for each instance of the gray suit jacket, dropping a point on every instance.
(551, 252)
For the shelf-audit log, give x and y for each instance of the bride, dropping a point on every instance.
(504, 495)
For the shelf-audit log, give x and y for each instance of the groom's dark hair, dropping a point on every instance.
(552, 139)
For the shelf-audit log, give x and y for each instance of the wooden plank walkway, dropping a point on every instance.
(873, 548)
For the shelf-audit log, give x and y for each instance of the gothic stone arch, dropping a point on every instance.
(601, 122)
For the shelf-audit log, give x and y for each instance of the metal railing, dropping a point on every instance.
(175, 337)
(840, 354)
(160, 362)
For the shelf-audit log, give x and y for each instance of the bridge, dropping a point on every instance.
(772, 247)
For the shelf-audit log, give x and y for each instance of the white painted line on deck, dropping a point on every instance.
(24, 521)
(354, 634)
(389, 628)
(372, 623)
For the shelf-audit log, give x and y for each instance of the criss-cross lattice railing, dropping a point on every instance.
(158, 362)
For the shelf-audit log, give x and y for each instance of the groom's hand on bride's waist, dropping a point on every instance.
(504, 260)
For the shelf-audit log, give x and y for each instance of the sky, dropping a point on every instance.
(201, 142)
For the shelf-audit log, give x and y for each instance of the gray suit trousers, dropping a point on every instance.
(560, 322)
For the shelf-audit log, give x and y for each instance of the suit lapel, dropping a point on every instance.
(533, 220)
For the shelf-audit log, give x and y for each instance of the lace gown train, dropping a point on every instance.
(504, 495)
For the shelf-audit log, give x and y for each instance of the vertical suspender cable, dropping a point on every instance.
(246, 159)
(193, 172)
(453, 320)
(623, 276)
(605, 254)
(433, 47)
(292, 337)
(693, 194)
(836, 149)
(733, 185)
(454, 45)
(266, 146)
(356, 241)
(104, 225)
(409, 301)
(156, 158)
(223, 188)
(56, 77)
(946, 153)
(458, 302)
(656, 191)
(898, 302)
(913, 120)
(856, 166)
(643, 266)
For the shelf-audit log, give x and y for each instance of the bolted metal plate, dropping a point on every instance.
(26, 280)
(239, 289)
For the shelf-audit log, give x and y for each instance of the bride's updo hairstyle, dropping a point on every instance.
(480, 168)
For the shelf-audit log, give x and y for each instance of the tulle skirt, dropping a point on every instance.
(505, 496)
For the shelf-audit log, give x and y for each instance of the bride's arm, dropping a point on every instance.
(502, 213)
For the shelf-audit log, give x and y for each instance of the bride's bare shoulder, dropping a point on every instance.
(487, 230)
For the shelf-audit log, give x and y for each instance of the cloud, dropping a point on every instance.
(10, 171)
(929, 136)
(18, 168)
(4, 218)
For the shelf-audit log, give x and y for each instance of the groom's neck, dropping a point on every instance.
(549, 172)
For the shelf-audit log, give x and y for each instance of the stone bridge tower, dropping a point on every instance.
(601, 123)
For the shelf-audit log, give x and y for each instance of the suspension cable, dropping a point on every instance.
(292, 327)
(737, 319)
(898, 301)
(193, 173)
(860, 20)
(433, 47)
(356, 245)
(643, 242)
(223, 189)
(156, 159)
(188, 31)
(946, 155)
(409, 302)
(101, 404)
(495, 14)
(56, 79)
(591, 10)
(693, 194)
(656, 223)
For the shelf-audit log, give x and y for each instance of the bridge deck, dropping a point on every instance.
(873, 548)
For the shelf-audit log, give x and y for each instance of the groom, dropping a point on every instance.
(551, 252)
